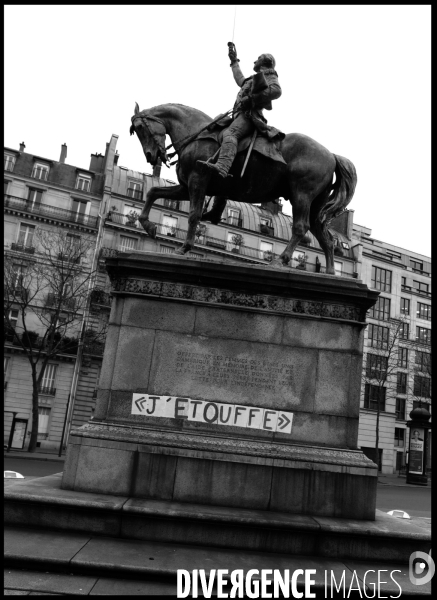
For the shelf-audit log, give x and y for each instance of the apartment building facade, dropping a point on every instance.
(106, 200)
(403, 311)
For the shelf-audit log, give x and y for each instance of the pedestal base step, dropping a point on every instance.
(67, 562)
(42, 503)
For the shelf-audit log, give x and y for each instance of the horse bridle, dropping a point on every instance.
(154, 135)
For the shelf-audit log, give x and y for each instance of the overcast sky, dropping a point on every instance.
(355, 78)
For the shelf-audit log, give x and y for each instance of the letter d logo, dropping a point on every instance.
(423, 565)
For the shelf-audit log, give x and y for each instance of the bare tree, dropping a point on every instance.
(50, 289)
(383, 358)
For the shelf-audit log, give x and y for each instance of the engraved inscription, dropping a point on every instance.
(264, 374)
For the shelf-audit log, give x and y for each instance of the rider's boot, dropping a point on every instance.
(226, 157)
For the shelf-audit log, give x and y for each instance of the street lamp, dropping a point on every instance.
(418, 444)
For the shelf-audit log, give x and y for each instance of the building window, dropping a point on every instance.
(378, 336)
(405, 306)
(381, 310)
(345, 245)
(423, 335)
(25, 235)
(135, 190)
(11, 325)
(43, 421)
(79, 208)
(399, 437)
(376, 366)
(266, 251)
(424, 311)
(401, 384)
(33, 199)
(371, 395)
(5, 188)
(48, 381)
(169, 225)
(423, 361)
(9, 162)
(421, 287)
(403, 358)
(400, 409)
(172, 204)
(266, 226)
(40, 171)
(422, 386)
(404, 331)
(381, 279)
(83, 183)
(234, 242)
(128, 243)
(234, 217)
(338, 266)
(416, 265)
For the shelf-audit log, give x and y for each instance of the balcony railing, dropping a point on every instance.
(412, 290)
(47, 390)
(22, 248)
(51, 211)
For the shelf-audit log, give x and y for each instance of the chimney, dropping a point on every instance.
(63, 153)
(157, 169)
(22, 146)
(116, 157)
(97, 162)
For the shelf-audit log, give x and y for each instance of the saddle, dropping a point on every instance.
(269, 148)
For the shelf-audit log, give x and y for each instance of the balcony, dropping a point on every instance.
(50, 211)
(121, 219)
(22, 248)
(411, 290)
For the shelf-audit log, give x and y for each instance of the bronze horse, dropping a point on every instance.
(306, 180)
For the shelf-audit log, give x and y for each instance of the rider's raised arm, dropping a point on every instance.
(237, 73)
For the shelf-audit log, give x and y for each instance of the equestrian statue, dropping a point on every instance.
(238, 156)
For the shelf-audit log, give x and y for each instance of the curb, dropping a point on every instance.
(33, 457)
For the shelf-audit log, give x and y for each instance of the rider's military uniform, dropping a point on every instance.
(261, 89)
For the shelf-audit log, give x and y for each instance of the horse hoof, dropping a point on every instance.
(152, 231)
(179, 251)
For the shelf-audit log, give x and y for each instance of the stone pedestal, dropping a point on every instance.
(195, 345)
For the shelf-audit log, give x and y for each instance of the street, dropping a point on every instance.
(415, 501)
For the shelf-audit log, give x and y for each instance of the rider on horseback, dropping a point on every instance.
(257, 93)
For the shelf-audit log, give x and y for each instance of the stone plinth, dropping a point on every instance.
(279, 352)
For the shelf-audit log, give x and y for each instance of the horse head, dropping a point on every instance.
(151, 133)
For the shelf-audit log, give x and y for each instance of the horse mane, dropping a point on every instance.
(147, 111)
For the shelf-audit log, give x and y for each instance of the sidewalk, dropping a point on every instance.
(398, 480)
(37, 455)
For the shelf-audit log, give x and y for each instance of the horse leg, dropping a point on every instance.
(175, 192)
(214, 215)
(301, 203)
(324, 237)
(197, 184)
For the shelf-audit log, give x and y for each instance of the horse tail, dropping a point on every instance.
(342, 190)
